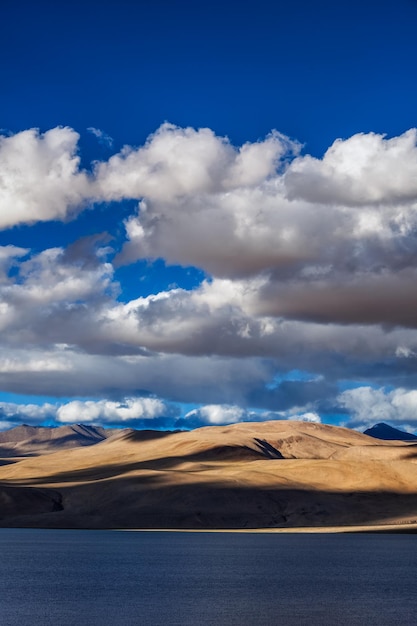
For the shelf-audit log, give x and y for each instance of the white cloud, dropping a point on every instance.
(321, 234)
(367, 406)
(364, 169)
(106, 411)
(196, 209)
(180, 162)
(311, 261)
(134, 410)
(216, 414)
(226, 317)
(320, 258)
(127, 411)
(40, 176)
(53, 296)
(309, 416)
(30, 413)
(58, 307)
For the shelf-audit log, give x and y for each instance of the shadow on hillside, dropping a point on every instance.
(10, 461)
(148, 435)
(101, 472)
(228, 453)
(146, 502)
(28, 501)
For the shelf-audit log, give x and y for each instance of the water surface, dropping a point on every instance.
(103, 578)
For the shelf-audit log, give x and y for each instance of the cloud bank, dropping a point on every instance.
(310, 265)
(142, 412)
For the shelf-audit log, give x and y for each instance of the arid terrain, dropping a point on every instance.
(279, 474)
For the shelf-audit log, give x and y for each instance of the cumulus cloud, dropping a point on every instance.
(309, 416)
(182, 173)
(63, 330)
(179, 162)
(364, 169)
(54, 296)
(320, 235)
(40, 176)
(310, 265)
(106, 411)
(11, 412)
(218, 414)
(128, 411)
(235, 318)
(368, 405)
(316, 257)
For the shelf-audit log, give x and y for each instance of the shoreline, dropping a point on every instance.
(400, 528)
(388, 528)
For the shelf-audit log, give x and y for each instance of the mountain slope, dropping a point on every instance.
(388, 433)
(34, 440)
(246, 475)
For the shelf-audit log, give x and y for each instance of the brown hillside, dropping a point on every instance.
(272, 474)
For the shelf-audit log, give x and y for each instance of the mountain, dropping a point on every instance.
(247, 475)
(27, 440)
(388, 433)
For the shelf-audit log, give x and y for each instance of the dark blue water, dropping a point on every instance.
(103, 578)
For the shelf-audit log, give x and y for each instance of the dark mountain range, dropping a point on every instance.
(389, 433)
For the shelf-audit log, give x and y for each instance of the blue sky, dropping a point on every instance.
(208, 212)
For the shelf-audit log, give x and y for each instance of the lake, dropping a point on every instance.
(103, 578)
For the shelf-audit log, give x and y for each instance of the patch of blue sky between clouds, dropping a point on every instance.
(145, 278)
(293, 376)
(97, 218)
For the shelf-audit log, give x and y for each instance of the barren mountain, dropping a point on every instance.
(384, 431)
(33, 440)
(248, 475)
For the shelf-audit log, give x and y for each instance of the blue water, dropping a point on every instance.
(103, 578)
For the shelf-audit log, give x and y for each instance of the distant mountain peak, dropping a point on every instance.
(389, 433)
(26, 440)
